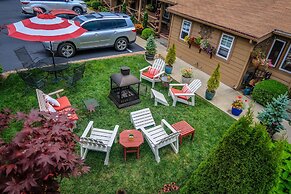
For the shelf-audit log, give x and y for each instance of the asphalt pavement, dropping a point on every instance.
(10, 12)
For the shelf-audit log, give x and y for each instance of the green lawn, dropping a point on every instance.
(135, 176)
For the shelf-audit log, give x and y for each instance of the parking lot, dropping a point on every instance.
(10, 11)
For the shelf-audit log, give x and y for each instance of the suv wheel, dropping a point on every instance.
(121, 44)
(67, 50)
(78, 10)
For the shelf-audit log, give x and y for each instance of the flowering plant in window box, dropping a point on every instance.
(189, 40)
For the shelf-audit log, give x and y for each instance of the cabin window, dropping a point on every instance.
(276, 51)
(185, 29)
(286, 63)
(225, 45)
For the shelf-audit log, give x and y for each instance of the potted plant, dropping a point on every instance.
(189, 40)
(138, 28)
(204, 44)
(197, 41)
(213, 83)
(150, 7)
(151, 48)
(170, 59)
(187, 75)
(258, 55)
(237, 106)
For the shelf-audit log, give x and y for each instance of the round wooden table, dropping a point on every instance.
(131, 146)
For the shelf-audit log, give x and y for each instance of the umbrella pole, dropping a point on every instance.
(53, 58)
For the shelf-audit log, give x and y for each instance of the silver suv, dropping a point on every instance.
(78, 6)
(104, 29)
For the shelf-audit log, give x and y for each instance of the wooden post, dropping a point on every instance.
(139, 10)
(161, 17)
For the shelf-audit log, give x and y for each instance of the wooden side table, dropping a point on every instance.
(131, 145)
(185, 130)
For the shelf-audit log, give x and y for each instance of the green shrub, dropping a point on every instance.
(244, 161)
(266, 90)
(95, 4)
(123, 8)
(213, 82)
(103, 8)
(147, 32)
(171, 55)
(145, 19)
(151, 46)
(284, 182)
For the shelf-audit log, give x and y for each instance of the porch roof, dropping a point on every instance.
(248, 18)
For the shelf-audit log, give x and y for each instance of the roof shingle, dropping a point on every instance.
(254, 18)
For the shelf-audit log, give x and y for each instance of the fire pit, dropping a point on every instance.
(122, 93)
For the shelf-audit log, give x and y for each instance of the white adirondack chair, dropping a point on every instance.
(142, 118)
(157, 138)
(187, 98)
(158, 64)
(98, 140)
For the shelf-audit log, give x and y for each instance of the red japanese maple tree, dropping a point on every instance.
(40, 155)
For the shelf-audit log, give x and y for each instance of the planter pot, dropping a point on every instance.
(255, 62)
(186, 80)
(149, 56)
(235, 111)
(247, 91)
(168, 69)
(209, 95)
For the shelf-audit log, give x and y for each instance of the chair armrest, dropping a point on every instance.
(177, 84)
(36, 58)
(159, 74)
(143, 69)
(164, 122)
(112, 138)
(184, 94)
(88, 128)
(56, 92)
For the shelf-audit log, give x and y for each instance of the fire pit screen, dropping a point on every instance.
(122, 93)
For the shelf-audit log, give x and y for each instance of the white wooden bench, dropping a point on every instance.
(98, 140)
(159, 97)
(142, 118)
(157, 138)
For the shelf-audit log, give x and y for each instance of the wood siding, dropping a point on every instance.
(277, 74)
(232, 70)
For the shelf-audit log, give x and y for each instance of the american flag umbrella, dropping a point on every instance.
(45, 27)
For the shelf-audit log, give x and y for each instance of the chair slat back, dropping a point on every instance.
(24, 57)
(41, 100)
(159, 64)
(142, 118)
(92, 142)
(195, 85)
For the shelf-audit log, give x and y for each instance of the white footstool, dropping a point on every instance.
(159, 97)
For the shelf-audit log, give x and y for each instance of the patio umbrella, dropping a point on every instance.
(45, 27)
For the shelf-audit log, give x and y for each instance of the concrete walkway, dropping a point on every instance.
(224, 94)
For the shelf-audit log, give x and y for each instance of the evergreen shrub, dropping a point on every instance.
(244, 161)
(147, 32)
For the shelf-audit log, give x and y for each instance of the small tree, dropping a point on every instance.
(151, 47)
(244, 161)
(213, 82)
(123, 8)
(40, 155)
(274, 113)
(171, 55)
(145, 19)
